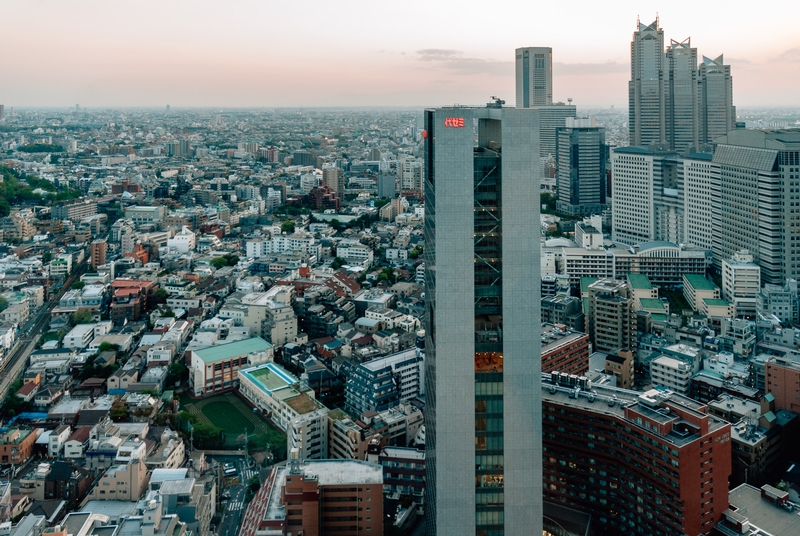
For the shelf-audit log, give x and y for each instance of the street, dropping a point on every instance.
(234, 508)
(30, 332)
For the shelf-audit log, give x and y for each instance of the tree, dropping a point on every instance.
(219, 262)
(336, 225)
(3, 303)
(206, 436)
(81, 316)
(119, 410)
(107, 347)
(287, 226)
(47, 257)
(337, 263)
(169, 313)
(77, 285)
(177, 371)
(160, 295)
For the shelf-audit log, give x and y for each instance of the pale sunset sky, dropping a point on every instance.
(248, 53)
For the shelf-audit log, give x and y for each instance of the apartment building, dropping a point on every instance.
(386, 381)
(612, 326)
(640, 463)
(564, 350)
(741, 283)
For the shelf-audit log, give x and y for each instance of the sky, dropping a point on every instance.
(313, 53)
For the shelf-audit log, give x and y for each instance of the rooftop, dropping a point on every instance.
(639, 281)
(652, 303)
(770, 518)
(699, 282)
(232, 349)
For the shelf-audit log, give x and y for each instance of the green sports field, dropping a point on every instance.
(231, 414)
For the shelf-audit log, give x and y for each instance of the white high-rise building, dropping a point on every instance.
(700, 195)
(482, 366)
(534, 76)
(741, 282)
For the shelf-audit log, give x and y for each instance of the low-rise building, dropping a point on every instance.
(16, 446)
(216, 368)
(564, 350)
(310, 497)
(279, 394)
(672, 374)
(696, 288)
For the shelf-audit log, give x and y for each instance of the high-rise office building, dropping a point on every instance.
(759, 192)
(700, 177)
(646, 105)
(552, 117)
(647, 194)
(672, 101)
(581, 171)
(717, 112)
(2, 111)
(680, 96)
(534, 76)
(482, 366)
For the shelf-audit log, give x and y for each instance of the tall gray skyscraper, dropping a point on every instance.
(717, 112)
(581, 175)
(534, 76)
(680, 95)
(482, 366)
(673, 102)
(646, 103)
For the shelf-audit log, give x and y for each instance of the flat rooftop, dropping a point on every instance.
(232, 350)
(599, 400)
(270, 376)
(640, 282)
(763, 514)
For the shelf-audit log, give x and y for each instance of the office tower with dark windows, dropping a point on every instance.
(680, 96)
(715, 92)
(581, 167)
(534, 76)
(482, 366)
(646, 105)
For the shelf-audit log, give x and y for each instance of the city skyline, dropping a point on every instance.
(321, 55)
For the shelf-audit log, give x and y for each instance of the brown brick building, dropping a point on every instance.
(651, 463)
(318, 497)
(564, 350)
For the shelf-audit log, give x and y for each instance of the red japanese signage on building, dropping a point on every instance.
(454, 122)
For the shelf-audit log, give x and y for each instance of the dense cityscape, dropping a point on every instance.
(489, 319)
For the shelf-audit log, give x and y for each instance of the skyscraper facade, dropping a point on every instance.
(482, 366)
(680, 96)
(673, 102)
(534, 76)
(646, 105)
(717, 112)
(581, 173)
(759, 195)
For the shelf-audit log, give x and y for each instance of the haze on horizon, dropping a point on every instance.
(307, 53)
